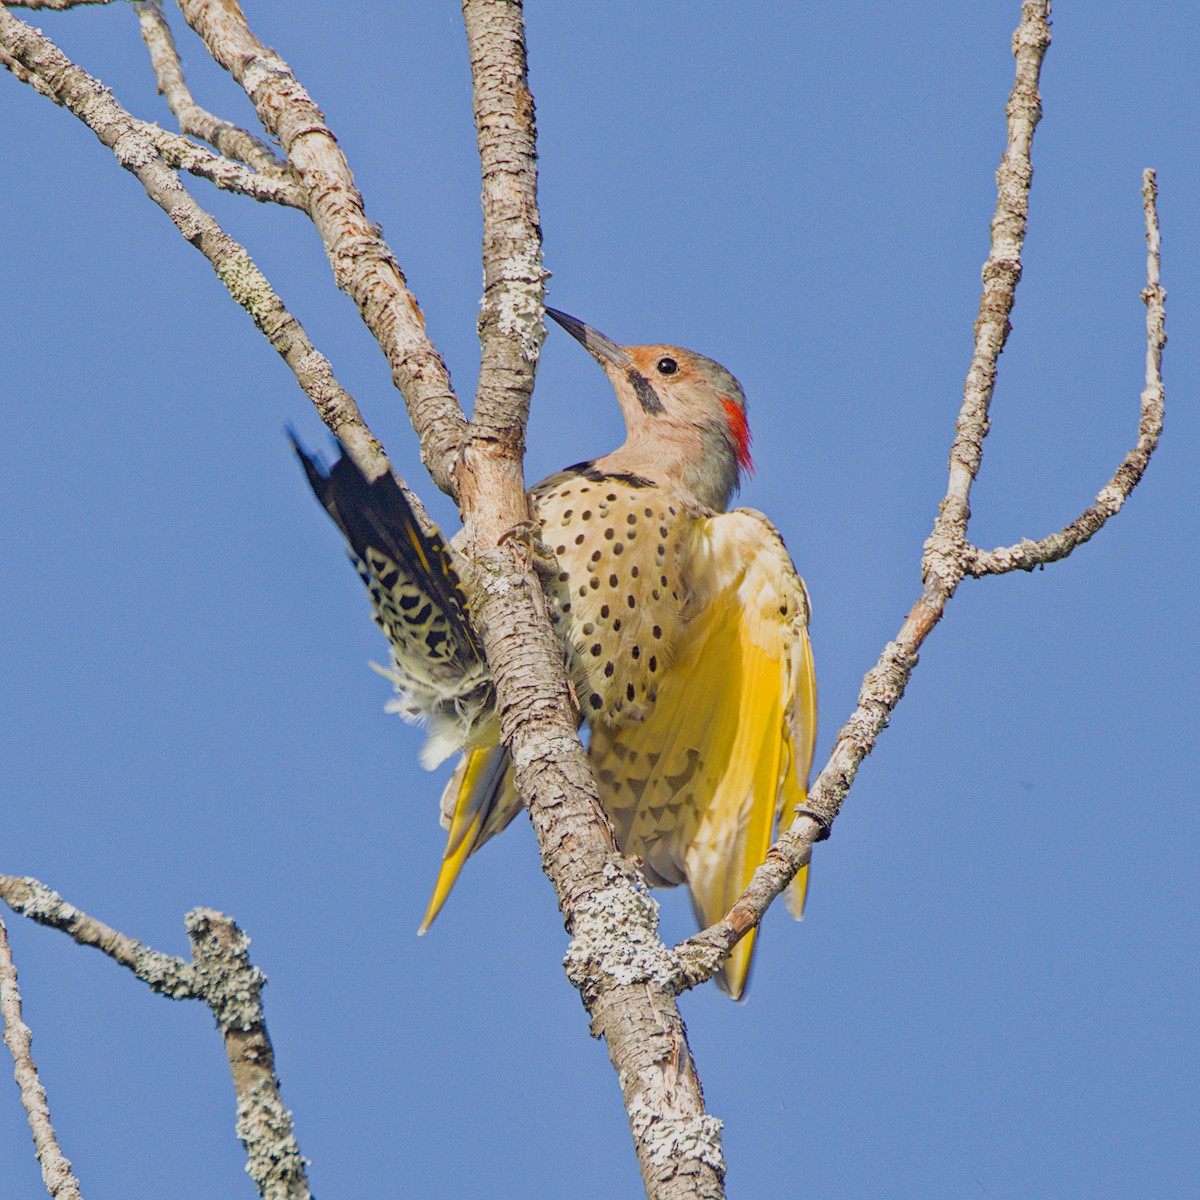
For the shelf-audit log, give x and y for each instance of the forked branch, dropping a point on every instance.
(232, 141)
(363, 264)
(1026, 554)
(222, 976)
(948, 555)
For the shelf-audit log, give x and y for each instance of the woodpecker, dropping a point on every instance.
(684, 625)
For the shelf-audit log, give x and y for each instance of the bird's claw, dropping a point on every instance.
(529, 547)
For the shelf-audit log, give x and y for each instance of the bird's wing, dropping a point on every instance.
(478, 803)
(697, 788)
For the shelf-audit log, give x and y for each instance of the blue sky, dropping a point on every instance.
(994, 991)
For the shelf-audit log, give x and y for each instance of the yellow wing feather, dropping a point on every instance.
(698, 788)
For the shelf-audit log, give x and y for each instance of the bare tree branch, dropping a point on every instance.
(52, 5)
(232, 988)
(1026, 555)
(363, 264)
(57, 1174)
(948, 556)
(164, 973)
(627, 978)
(198, 122)
(616, 959)
(220, 975)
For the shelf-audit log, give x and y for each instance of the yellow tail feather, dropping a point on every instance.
(482, 781)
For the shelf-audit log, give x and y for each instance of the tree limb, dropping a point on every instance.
(221, 975)
(52, 5)
(57, 1174)
(163, 973)
(622, 969)
(232, 988)
(181, 152)
(45, 66)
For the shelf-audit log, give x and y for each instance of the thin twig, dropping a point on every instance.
(57, 1174)
(229, 139)
(164, 973)
(1026, 554)
(363, 264)
(181, 152)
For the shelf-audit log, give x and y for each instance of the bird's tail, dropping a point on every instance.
(478, 803)
(418, 601)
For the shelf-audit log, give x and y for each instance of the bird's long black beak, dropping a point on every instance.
(603, 350)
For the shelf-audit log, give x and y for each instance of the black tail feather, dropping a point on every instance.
(378, 522)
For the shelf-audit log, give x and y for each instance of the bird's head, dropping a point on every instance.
(685, 415)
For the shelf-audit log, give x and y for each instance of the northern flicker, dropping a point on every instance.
(685, 628)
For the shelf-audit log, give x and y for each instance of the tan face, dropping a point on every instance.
(691, 389)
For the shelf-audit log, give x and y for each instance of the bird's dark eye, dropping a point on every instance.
(666, 366)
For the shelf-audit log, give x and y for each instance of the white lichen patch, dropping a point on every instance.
(519, 303)
(265, 1128)
(616, 939)
(678, 1139)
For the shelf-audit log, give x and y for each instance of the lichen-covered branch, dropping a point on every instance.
(510, 324)
(52, 5)
(222, 976)
(163, 973)
(1026, 554)
(57, 1174)
(232, 987)
(229, 139)
(363, 264)
(616, 959)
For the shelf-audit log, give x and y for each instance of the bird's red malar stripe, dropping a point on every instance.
(741, 432)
